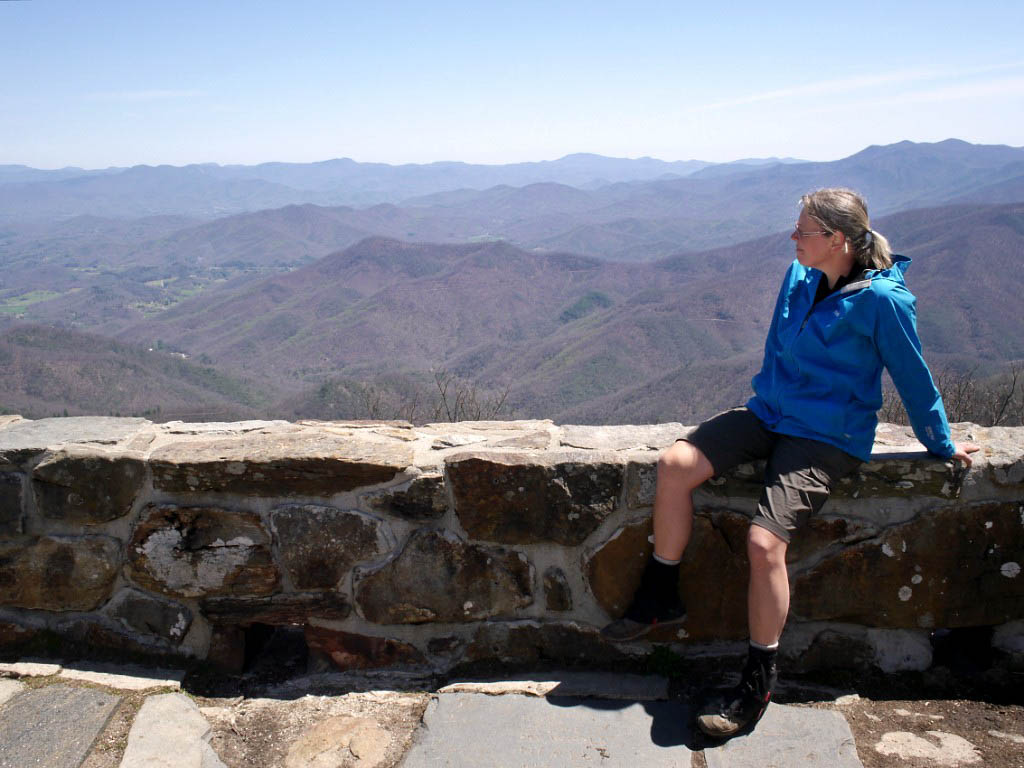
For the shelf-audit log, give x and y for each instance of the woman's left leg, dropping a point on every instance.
(768, 590)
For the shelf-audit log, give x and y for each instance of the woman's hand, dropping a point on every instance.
(962, 451)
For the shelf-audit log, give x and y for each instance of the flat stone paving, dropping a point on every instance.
(790, 736)
(472, 729)
(170, 732)
(52, 727)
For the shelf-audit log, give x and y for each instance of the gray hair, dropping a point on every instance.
(842, 210)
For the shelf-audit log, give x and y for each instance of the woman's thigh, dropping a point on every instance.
(799, 477)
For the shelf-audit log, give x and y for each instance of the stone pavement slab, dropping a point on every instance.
(8, 688)
(467, 730)
(788, 737)
(54, 726)
(126, 678)
(170, 732)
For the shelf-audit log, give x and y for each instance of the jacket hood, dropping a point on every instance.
(895, 272)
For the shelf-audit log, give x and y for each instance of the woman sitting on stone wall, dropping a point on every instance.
(843, 313)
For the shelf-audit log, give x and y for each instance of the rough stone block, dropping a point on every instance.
(15, 635)
(86, 486)
(529, 498)
(319, 545)
(530, 642)
(101, 637)
(827, 532)
(557, 593)
(899, 474)
(151, 615)
(348, 650)
(307, 463)
(227, 648)
(440, 578)
(424, 499)
(11, 514)
(928, 572)
(641, 481)
(280, 609)
(900, 650)
(713, 576)
(58, 573)
(832, 649)
(201, 551)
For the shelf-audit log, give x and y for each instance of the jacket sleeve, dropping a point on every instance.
(897, 341)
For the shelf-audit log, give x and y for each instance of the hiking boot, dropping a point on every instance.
(655, 604)
(746, 703)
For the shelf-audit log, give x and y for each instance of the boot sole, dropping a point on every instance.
(624, 630)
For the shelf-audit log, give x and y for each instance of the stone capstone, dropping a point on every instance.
(58, 573)
(24, 440)
(11, 517)
(557, 593)
(424, 499)
(438, 577)
(201, 552)
(319, 545)
(517, 498)
(926, 573)
(80, 485)
(623, 437)
(306, 463)
(150, 615)
(279, 609)
(348, 650)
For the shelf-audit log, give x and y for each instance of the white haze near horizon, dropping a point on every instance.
(118, 83)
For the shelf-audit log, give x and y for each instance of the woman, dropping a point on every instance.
(843, 314)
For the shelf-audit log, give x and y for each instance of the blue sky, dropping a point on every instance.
(97, 83)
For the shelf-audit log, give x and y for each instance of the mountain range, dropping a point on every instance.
(597, 305)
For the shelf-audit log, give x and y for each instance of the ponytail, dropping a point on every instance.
(842, 210)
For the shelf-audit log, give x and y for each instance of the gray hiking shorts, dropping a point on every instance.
(799, 473)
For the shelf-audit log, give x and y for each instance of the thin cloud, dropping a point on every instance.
(824, 86)
(141, 96)
(906, 77)
(1004, 87)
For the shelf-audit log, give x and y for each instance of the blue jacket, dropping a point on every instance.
(822, 371)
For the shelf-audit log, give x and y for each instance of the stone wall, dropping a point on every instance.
(427, 547)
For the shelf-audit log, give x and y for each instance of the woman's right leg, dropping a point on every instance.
(681, 468)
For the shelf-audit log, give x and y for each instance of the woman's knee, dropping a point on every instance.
(684, 461)
(765, 549)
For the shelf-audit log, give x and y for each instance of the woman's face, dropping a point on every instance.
(813, 244)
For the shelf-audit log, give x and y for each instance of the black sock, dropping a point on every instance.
(658, 590)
